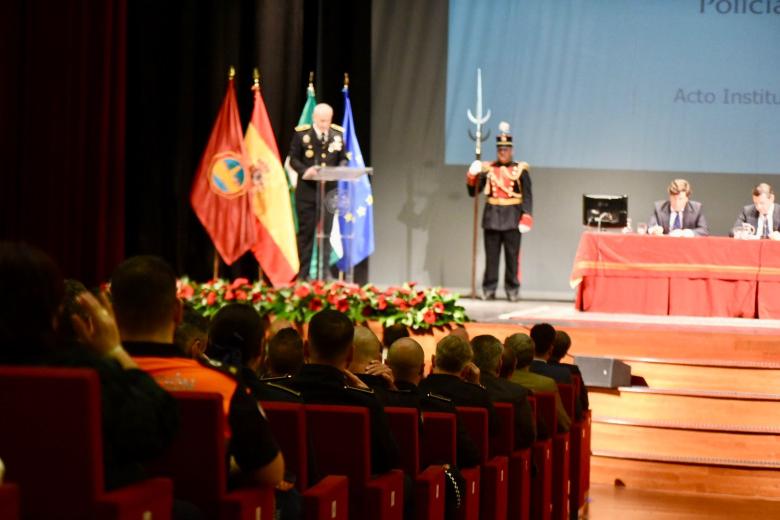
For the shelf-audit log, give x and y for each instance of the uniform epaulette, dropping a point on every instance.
(302, 128)
(276, 379)
(439, 397)
(337, 127)
(522, 165)
(230, 370)
(284, 389)
(476, 384)
(364, 390)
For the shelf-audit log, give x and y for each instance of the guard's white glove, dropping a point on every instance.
(475, 168)
(526, 223)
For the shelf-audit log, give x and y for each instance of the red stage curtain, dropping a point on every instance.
(62, 113)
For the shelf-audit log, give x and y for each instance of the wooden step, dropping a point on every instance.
(659, 374)
(703, 447)
(685, 478)
(687, 412)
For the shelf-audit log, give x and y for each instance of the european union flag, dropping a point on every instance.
(356, 212)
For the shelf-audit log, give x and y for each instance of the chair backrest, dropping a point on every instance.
(51, 439)
(576, 382)
(342, 442)
(503, 443)
(438, 444)
(475, 420)
(566, 391)
(545, 410)
(196, 459)
(288, 424)
(405, 426)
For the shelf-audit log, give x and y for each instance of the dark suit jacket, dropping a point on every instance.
(749, 214)
(323, 384)
(560, 375)
(575, 370)
(505, 391)
(462, 394)
(693, 218)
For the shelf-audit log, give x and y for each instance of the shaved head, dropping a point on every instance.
(368, 348)
(406, 358)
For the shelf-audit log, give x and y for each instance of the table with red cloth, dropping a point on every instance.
(699, 276)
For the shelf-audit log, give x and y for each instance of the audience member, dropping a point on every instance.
(487, 356)
(407, 359)
(284, 358)
(543, 335)
(508, 363)
(139, 418)
(191, 335)
(461, 332)
(326, 380)
(147, 311)
(367, 363)
(456, 377)
(523, 347)
(393, 333)
(560, 348)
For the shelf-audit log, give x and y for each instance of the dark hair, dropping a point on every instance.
(394, 332)
(330, 334)
(561, 345)
(32, 289)
(285, 352)
(543, 335)
(508, 363)
(69, 307)
(487, 352)
(143, 289)
(452, 353)
(193, 325)
(763, 189)
(236, 335)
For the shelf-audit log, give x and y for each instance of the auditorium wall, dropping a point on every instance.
(423, 215)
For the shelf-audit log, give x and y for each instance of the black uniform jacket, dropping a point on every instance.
(462, 394)
(306, 151)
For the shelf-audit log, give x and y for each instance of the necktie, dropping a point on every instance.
(677, 224)
(765, 232)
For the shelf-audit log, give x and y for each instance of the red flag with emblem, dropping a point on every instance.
(220, 193)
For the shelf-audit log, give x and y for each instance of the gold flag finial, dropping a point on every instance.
(311, 77)
(256, 76)
(231, 72)
(346, 79)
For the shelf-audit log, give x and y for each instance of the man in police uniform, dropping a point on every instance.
(507, 214)
(313, 146)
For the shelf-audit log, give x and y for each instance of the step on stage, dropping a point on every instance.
(708, 420)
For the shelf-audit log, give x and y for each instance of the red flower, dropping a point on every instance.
(211, 298)
(238, 282)
(333, 298)
(342, 305)
(241, 295)
(186, 292)
(318, 289)
(418, 299)
(381, 302)
(405, 291)
(438, 307)
(429, 317)
(367, 311)
(229, 295)
(302, 291)
(412, 284)
(256, 297)
(315, 304)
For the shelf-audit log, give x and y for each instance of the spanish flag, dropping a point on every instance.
(275, 247)
(220, 193)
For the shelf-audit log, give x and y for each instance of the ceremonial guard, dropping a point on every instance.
(313, 146)
(507, 214)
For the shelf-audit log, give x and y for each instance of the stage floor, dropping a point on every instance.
(564, 314)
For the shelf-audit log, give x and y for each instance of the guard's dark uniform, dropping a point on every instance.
(509, 197)
(270, 388)
(307, 150)
(504, 391)
(462, 394)
(323, 384)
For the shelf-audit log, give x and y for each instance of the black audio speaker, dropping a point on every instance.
(603, 372)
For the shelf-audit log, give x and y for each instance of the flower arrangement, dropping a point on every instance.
(407, 304)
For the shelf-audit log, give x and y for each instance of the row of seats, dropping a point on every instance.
(51, 445)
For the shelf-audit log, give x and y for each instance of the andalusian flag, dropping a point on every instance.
(221, 190)
(276, 248)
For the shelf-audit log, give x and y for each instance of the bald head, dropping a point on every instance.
(322, 117)
(406, 358)
(368, 348)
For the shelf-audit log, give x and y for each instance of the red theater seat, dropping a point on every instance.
(429, 492)
(9, 502)
(197, 459)
(439, 447)
(495, 471)
(562, 459)
(541, 454)
(519, 490)
(52, 446)
(329, 498)
(342, 446)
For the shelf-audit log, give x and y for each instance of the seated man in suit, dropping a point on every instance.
(523, 347)
(487, 356)
(456, 377)
(678, 216)
(543, 335)
(763, 215)
(560, 348)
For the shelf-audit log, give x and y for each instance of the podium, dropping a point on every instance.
(327, 205)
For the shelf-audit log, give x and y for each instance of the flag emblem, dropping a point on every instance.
(227, 175)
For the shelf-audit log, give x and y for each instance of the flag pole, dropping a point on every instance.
(256, 86)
